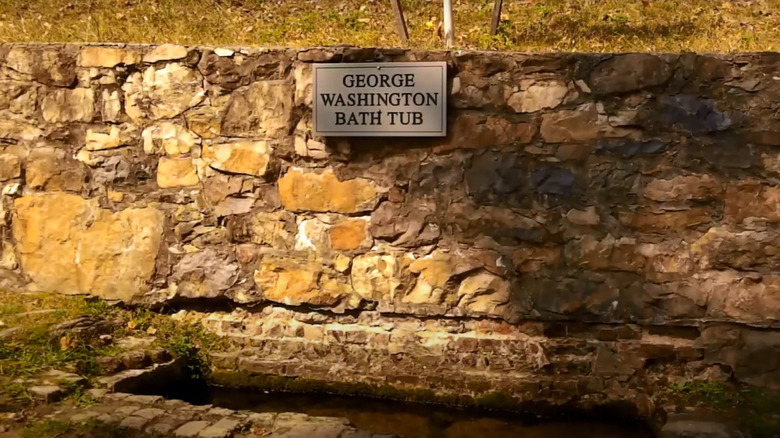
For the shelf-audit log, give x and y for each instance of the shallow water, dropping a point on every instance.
(408, 419)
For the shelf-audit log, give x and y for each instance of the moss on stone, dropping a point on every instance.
(245, 380)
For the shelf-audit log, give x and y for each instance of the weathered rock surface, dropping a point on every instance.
(591, 226)
(245, 157)
(160, 93)
(309, 191)
(263, 109)
(68, 244)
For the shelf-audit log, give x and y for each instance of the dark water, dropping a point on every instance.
(408, 419)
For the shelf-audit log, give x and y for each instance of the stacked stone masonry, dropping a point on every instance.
(594, 226)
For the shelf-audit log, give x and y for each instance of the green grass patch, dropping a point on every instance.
(717, 395)
(534, 25)
(32, 349)
(759, 409)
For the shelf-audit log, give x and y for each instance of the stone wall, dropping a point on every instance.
(592, 228)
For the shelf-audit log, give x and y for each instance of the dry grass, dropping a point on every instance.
(527, 25)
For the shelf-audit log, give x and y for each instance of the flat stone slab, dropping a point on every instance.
(46, 393)
(694, 426)
(191, 429)
(136, 423)
(149, 413)
(223, 428)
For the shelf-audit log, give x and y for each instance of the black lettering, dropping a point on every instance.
(392, 116)
(327, 98)
(349, 81)
(432, 99)
(339, 118)
(417, 118)
(376, 117)
(383, 80)
(418, 99)
(410, 79)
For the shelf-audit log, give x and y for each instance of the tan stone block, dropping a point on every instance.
(721, 247)
(433, 272)
(650, 221)
(50, 168)
(294, 282)
(18, 99)
(350, 234)
(751, 198)
(683, 188)
(111, 106)
(534, 259)
(10, 166)
(587, 217)
(263, 109)
(538, 95)
(165, 52)
(65, 105)
(245, 157)
(48, 65)
(112, 255)
(98, 141)
(607, 254)
(484, 294)
(580, 124)
(309, 191)
(95, 56)
(19, 131)
(169, 138)
(176, 172)
(205, 121)
(161, 93)
(302, 72)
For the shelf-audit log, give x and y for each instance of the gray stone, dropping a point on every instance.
(694, 426)
(136, 423)
(223, 428)
(191, 429)
(96, 393)
(144, 399)
(46, 393)
(84, 417)
(630, 72)
(126, 410)
(149, 413)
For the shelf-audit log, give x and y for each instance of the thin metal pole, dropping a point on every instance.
(496, 17)
(400, 22)
(449, 32)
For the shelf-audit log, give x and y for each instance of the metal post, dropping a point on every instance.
(496, 17)
(449, 32)
(400, 22)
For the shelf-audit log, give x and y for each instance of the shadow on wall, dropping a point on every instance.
(626, 189)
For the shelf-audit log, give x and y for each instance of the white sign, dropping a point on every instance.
(393, 99)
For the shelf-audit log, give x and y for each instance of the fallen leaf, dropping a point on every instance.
(151, 331)
(67, 343)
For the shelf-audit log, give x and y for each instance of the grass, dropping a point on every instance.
(526, 25)
(31, 350)
(759, 409)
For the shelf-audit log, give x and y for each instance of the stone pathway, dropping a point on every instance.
(157, 416)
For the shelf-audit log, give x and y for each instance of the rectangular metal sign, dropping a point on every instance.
(392, 99)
